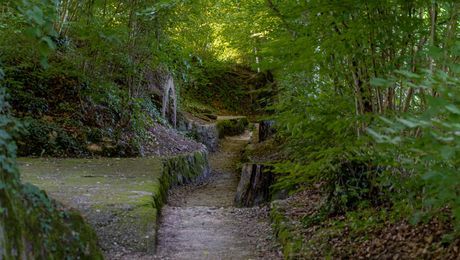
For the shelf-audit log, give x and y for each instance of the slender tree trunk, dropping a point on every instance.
(433, 19)
(410, 92)
(451, 33)
(389, 102)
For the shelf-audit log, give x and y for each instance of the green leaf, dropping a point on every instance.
(453, 108)
(44, 63)
(379, 82)
(407, 123)
(4, 135)
(36, 15)
(429, 175)
(408, 74)
(374, 134)
(49, 42)
(416, 217)
(386, 120)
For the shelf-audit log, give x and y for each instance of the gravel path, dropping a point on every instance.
(200, 221)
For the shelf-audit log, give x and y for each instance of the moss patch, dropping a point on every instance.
(230, 126)
(290, 242)
(186, 168)
(117, 196)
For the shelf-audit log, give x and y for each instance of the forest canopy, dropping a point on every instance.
(365, 94)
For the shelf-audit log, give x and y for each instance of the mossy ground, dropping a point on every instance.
(117, 196)
(120, 198)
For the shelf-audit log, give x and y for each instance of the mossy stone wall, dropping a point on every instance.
(34, 226)
(186, 168)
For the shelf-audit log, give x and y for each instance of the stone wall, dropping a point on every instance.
(207, 134)
(201, 130)
(186, 168)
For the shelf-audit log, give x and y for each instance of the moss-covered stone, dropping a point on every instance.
(117, 196)
(186, 168)
(230, 126)
(33, 226)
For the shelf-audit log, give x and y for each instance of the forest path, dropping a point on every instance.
(200, 221)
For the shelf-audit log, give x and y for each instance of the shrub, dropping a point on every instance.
(45, 138)
(231, 127)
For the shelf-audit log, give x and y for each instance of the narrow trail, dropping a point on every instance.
(200, 221)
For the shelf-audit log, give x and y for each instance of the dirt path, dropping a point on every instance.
(200, 221)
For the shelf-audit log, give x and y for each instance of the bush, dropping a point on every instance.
(354, 183)
(231, 127)
(44, 138)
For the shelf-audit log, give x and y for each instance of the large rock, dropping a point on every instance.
(254, 186)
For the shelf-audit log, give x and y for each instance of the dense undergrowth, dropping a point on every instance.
(79, 89)
(367, 104)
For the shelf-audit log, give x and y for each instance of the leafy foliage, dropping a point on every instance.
(89, 71)
(342, 66)
(427, 145)
(8, 128)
